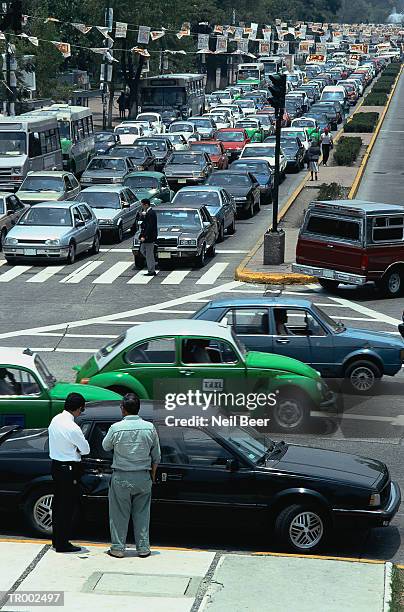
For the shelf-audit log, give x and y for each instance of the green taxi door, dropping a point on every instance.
(23, 400)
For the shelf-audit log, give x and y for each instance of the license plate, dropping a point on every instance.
(29, 252)
(182, 180)
(164, 255)
(328, 274)
(212, 384)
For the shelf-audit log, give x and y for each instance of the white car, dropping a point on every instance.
(179, 142)
(266, 151)
(147, 127)
(225, 96)
(298, 132)
(247, 106)
(184, 128)
(155, 119)
(235, 109)
(128, 133)
(222, 119)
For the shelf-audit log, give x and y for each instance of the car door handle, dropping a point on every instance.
(282, 340)
(186, 372)
(171, 476)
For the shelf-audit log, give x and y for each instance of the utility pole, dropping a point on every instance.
(12, 19)
(274, 240)
(106, 73)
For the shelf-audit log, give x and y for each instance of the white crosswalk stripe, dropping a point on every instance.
(140, 278)
(113, 273)
(13, 273)
(175, 277)
(84, 270)
(211, 275)
(46, 274)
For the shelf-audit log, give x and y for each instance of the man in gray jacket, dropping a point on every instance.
(136, 450)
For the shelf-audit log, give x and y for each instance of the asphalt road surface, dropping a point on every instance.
(68, 312)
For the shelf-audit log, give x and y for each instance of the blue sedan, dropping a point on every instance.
(262, 172)
(298, 328)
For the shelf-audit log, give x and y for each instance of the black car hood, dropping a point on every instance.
(238, 191)
(330, 465)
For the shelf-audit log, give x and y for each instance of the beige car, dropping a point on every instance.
(11, 209)
(48, 185)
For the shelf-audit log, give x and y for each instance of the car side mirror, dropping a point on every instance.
(232, 465)
(125, 204)
(10, 211)
(79, 223)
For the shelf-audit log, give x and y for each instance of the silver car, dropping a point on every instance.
(11, 209)
(53, 231)
(116, 208)
(106, 170)
(49, 184)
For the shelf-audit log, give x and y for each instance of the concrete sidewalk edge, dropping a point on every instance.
(244, 274)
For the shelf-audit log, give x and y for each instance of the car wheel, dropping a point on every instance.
(37, 510)
(95, 249)
(362, 376)
(257, 206)
(392, 284)
(3, 234)
(211, 252)
(328, 285)
(290, 413)
(71, 256)
(200, 259)
(119, 233)
(232, 228)
(250, 211)
(139, 262)
(301, 528)
(220, 237)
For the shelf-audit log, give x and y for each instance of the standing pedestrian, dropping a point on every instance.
(326, 145)
(314, 155)
(66, 446)
(136, 449)
(122, 105)
(148, 236)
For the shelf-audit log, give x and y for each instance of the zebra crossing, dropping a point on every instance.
(101, 272)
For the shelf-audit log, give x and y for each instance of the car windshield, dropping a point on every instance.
(155, 145)
(207, 198)
(42, 183)
(264, 119)
(12, 143)
(246, 103)
(248, 442)
(333, 95)
(175, 138)
(184, 219)
(207, 148)
(247, 124)
(99, 199)
(303, 123)
(222, 118)
(186, 159)
(130, 129)
(231, 136)
(268, 151)
(227, 178)
(181, 127)
(336, 326)
(253, 167)
(150, 118)
(46, 216)
(44, 373)
(293, 134)
(142, 182)
(101, 163)
(104, 137)
(134, 152)
(204, 123)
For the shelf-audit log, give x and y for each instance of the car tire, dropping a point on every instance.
(257, 206)
(362, 376)
(392, 284)
(119, 233)
(291, 412)
(301, 528)
(139, 262)
(3, 235)
(250, 211)
(211, 252)
(95, 249)
(201, 258)
(37, 511)
(328, 285)
(220, 237)
(71, 256)
(232, 228)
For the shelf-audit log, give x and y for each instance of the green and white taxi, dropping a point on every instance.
(159, 358)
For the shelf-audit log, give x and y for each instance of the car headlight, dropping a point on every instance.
(52, 241)
(374, 499)
(187, 242)
(106, 221)
(11, 241)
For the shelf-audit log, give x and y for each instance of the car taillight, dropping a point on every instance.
(364, 262)
(84, 381)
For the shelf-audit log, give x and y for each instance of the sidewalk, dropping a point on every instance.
(185, 580)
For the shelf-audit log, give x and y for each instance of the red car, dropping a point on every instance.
(216, 151)
(233, 140)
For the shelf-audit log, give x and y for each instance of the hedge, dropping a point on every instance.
(333, 191)
(347, 150)
(362, 122)
(375, 99)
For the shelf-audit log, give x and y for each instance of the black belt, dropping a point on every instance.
(72, 463)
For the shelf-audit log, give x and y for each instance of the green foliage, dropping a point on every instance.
(375, 99)
(333, 191)
(347, 150)
(362, 122)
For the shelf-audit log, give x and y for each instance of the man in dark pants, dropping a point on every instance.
(148, 236)
(66, 446)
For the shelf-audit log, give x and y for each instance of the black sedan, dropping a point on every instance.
(244, 188)
(219, 472)
(294, 152)
(104, 141)
(188, 168)
(162, 149)
(141, 156)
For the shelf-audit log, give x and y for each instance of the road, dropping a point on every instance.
(67, 312)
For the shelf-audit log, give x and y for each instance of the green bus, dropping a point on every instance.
(250, 74)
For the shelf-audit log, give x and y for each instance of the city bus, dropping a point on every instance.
(76, 134)
(250, 74)
(176, 93)
(273, 64)
(27, 142)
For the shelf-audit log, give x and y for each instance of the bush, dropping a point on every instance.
(375, 99)
(333, 191)
(362, 122)
(347, 150)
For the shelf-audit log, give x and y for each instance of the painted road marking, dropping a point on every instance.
(175, 277)
(220, 251)
(13, 273)
(368, 312)
(212, 274)
(141, 278)
(46, 274)
(81, 272)
(112, 274)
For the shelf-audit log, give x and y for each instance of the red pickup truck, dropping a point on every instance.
(353, 242)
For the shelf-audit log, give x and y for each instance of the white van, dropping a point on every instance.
(333, 93)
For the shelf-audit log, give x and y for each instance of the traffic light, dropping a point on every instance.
(278, 90)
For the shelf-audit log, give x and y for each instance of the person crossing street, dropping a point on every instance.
(148, 236)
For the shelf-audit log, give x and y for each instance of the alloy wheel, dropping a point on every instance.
(306, 530)
(288, 414)
(362, 378)
(42, 512)
(394, 283)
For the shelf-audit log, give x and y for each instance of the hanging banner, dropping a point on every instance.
(283, 47)
(203, 41)
(321, 48)
(185, 30)
(143, 35)
(156, 34)
(221, 44)
(121, 29)
(104, 31)
(242, 45)
(82, 27)
(289, 62)
(238, 34)
(254, 29)
(2, 37)
(51, 19)
(141, 51)
(264, 48)
(267, 33)
(63, 47)
(305, 46)
(32, 39)
(315, 58)
(358, 48)
(218, 29)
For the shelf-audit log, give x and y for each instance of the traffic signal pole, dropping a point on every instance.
(275, 191)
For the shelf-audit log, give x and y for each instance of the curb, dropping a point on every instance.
(388, 578)
(246, 275)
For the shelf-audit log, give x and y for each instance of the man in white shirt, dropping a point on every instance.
(66, 446)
